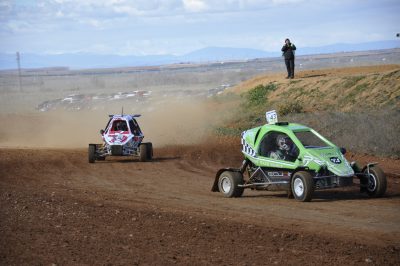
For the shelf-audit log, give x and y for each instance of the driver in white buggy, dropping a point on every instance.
(121, 126)
(286, 149)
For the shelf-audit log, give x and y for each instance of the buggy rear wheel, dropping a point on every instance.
(302, 186)
(92, 153)
(228, 183)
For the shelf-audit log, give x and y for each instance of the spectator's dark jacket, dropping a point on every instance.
(288, 51)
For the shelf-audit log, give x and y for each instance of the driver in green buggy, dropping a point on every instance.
(285, 149)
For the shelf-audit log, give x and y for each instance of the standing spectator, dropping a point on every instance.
(288, 54)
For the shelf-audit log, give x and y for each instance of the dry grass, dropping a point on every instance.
(313, 75)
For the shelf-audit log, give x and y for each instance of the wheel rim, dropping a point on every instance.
(298, 187)
(226, 184)
(371, 183)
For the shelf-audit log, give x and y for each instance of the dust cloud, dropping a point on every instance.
(169, 122)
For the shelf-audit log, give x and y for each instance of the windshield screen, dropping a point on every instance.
(310, 140)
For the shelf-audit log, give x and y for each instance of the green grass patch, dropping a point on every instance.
(351, 97)
(361, 87)
(294, 82)
(351, 81)
(258, 95)
(323, 81)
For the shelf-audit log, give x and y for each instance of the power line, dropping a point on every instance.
(19, 71)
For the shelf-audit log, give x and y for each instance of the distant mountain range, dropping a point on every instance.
(209, 54)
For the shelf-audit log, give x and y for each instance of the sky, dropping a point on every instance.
(154, 27)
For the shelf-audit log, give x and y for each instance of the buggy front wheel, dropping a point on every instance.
(377, 183)
(146, 151)
(302, 186)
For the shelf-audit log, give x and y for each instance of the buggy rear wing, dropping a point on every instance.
(135, 115)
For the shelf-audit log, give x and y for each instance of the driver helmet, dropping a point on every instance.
(120, 125)
(284, 142)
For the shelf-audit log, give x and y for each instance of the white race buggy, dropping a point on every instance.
(121, 137)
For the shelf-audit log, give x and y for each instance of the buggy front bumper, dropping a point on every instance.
(333, 181)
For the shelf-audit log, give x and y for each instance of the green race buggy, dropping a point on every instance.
(297, 159)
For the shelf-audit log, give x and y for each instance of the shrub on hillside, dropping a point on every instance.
(290, 108)
(258, 95)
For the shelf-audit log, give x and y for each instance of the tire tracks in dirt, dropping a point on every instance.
(177, 184)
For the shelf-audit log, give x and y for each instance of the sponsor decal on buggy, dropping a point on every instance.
(278, 173)
(275, 174)
(338, 160)
(117, 138)
(335, 160)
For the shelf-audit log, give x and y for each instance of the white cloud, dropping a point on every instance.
(284, 2)
(112, 9)
(195, 5)
(59, 14)
(17, 26)
(93, 22)
(5, 4)
(127, 10)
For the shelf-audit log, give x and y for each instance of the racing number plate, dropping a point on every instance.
(272, 117)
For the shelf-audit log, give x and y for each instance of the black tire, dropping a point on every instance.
(146, 151)
(302, 186)
(377, 183)
(149, 151)
(228, 184)
(92, 153)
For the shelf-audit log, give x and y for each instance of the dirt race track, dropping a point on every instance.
(56, 208)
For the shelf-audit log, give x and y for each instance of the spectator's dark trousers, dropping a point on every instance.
(290, 67)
